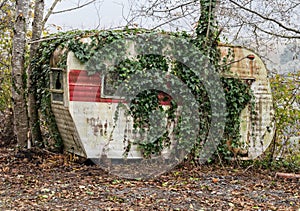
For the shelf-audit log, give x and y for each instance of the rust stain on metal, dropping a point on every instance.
(99, 127)
(257, 131)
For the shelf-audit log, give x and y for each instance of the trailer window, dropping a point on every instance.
(56, 85)
(110, 83)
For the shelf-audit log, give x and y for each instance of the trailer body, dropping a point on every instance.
(84, 109)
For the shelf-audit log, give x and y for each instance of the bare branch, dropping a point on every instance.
(50, 12)
(176, 7)
(266, 18)
(238, 32)
(152, 6)
(293, 7)
(169, 21)
(74, 8)
(276, 34)
(42, 40)
(98, 15)
(128, 21)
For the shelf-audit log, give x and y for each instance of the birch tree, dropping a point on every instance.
(37, 28)
(26, 119)
(18, 73)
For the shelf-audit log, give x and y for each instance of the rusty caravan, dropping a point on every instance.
(84, 107)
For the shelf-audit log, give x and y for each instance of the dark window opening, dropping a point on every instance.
(110, 84)
(56, 85)
(57, 80)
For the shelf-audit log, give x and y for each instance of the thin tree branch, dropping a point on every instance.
(176, 7)
(152, 6)
(275, 34)
(98, 14)
(266, 18)
(74, 8)
(50, 12)
(292, 7)
(238, 32)
(169, 21)
(128, 21)
(42, 40)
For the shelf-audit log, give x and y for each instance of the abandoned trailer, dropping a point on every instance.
(85, 106)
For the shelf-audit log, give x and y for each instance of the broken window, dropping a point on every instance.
(56, 84)
(110, 84)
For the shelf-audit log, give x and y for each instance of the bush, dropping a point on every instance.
(286, 97)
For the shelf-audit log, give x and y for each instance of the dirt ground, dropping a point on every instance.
(40, 180)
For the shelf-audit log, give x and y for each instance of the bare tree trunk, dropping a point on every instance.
(206, 22)
(37, 27)
(18, 74)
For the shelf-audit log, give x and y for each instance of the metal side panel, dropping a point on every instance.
(97, 130)
(67, 130)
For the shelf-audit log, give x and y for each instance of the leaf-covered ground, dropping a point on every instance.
(39, 180)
